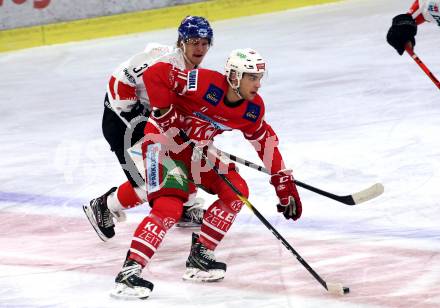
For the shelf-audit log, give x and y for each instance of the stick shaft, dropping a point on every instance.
(258, 214)
(422, 65)
(343, 199)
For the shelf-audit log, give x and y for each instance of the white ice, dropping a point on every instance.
(349, 112)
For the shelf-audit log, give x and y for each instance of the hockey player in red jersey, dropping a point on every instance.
(404, 26)
(126, 109)
(203, 104)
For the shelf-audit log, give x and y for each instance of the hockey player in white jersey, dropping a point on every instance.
(126, 110)
(404, 26)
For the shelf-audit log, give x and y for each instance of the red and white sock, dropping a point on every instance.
(217, 221)
(125, 197)
(151, 231)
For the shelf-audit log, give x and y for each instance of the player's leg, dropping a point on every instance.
(201, 264)
(146, 240)
(167, 190)
(102, 211)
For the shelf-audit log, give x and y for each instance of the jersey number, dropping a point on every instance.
(140, 70)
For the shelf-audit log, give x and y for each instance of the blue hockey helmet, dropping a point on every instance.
(195, 27)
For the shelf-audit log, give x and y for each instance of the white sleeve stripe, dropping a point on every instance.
(154, 123)
(417, 13)
(145, 243)
(140, 254)
(115, 89)
(213, 227)
(109, 92)
(259, 138)
(250, 135)
(209, 238)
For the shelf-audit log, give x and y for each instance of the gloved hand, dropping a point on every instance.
(170, 119)
(290, 203)
(137, 110)
(402, 31)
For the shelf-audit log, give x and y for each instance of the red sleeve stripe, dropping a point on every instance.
(122, 91)
(111, 86)
(416, 13)
(414, 7)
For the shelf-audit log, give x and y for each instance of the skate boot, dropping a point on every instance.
(101, 218)
(192, 216)
(201, 264)
(130, 284)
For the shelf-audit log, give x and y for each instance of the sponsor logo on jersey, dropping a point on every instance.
(152, 162)
(215, 124)
(192, 80)
(107, 103)
(129, 76)
(214, 95)
(252, 112)
(201, 127)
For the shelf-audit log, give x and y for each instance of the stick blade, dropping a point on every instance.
(337, 288)
(368, 194)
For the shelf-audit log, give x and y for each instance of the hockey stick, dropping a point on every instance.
(356, 198)
(335, 288)
(422, 65)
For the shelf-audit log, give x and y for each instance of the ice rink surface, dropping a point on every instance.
(349, 112)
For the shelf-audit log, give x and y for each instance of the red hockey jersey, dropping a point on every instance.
(199, 95)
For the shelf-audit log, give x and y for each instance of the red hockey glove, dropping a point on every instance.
(290, 203)
(171, 118)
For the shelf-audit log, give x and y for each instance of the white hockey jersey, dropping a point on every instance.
(426, 10)
(126, 87)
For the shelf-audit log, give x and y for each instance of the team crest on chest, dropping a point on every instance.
(252, 112)
(213, 95)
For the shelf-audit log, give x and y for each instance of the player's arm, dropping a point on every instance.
(163, 82)
(122, 94)
(122, 87)
(265, 142)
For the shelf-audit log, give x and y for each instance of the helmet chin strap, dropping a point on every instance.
(234, 88)
(237, 91)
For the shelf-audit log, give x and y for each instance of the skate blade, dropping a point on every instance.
(188, 224)
(89, 214)
(122, 291)
(195, 274)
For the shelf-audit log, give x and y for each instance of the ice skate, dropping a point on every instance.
(130, 284)
(192, 216)
(201, 264)
(101, 218)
